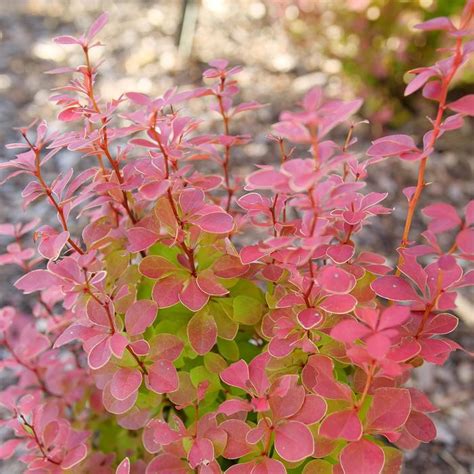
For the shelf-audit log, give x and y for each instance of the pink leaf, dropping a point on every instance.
(440, 23)
(139, 316)
(313, 409)
(265, 466)
(378, 345)
(348, 331)
(442, 323)
(98, 24)
(419, 81)
(118, 342)
(340, 253)
(394, 316)
(123, 467)
(293, 441)
(394, 288)
(36, 280)
(421, 427)
(338, 304)
(74, 457)
(166, 346)
(155, 267)
(318, 376)
(309, 318)
(167, 464)
(237, 445)
(125, 382)
(233, 406)
(216, 223)
(192, 296)
(443, 217)
(140, 238)
(162, 377)
(202, 332)
(97, 313)
(465, 241)
(117, 407)
(66, 40)
(392, 145)
(7, 448)
(207, 282)
(362, 457)
(237, 375)
(335, 280)
(389, 410)
(138, 98)
(166, 292)
(100, 354)
(201, 453)
(343, 424)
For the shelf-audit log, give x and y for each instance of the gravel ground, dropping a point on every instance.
(145, 53)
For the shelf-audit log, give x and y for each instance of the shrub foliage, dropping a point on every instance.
(203, 321)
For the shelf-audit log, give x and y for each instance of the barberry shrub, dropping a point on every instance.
(207, 322)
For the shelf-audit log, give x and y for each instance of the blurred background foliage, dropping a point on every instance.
(373, 43)
(351, 47)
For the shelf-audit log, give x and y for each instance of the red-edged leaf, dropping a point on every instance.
(123, 467)
(202, 332)
(237, 445)
(362, 457)
(7, 449)
(139, 316)
(464, 105)
(237, 375)
(348, 331)
(343, 424)
(313, 409)
(216, 223)
(74, 457)
(201, 453)
(192, 296)
(125, 382)
(156, 267)
(335, 280)
(36, 280)
(389, 410)
(338, 304)
(442, 323)
(421, 427)
(162, 377)
(394, 288)
(392, 145)
(293, 441)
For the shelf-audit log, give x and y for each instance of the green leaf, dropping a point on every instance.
(247, 310)
(247, 288)
(215, 363)
(228, 349)
(170, 253)
(201, 374)
(318, 466)
(222, 312)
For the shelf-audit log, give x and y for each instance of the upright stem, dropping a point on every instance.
(49, 193)
(226, 162)
(368, 383)
(104, 146)
(436, 131)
